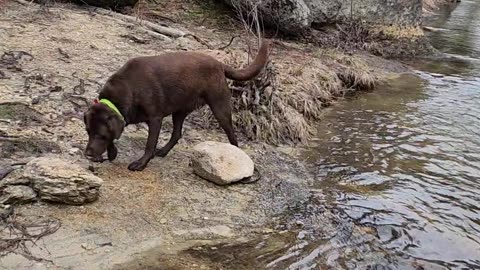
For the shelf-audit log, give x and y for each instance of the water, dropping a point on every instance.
(403, 163)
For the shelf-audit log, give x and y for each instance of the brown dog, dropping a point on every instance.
(147, 89)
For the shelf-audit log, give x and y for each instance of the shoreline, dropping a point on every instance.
(166, 208)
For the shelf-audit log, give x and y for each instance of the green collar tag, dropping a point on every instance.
(109, 104)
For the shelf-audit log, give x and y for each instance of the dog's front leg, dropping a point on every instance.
(154, 126)
(112, 151)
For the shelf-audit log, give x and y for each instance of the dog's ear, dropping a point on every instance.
(115, 125)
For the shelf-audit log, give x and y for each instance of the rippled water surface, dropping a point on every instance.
(403, 162)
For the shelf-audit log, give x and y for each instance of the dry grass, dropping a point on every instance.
(398, 32)
(282, 104)
(351, 70)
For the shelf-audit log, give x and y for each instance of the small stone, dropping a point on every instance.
(55, 88)
(267, 230)
(299, 223)
(74, 151)
(221, 163)
(103, 241)
(163, 221)
(86, 246)
(17, 194)
(35, 100)
(5, 211)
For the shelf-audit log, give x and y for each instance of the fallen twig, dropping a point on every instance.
(229, 43)
(157, 15)
(199, 40)
(135, 39)
(63, 53)
(18, 164)
(80, 88)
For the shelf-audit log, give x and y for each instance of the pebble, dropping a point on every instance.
(86, 246)
(301, 235)
(299, 223)
(267, 230)
(163, 221)
(101, 242)
(35, 100)
(74, 151)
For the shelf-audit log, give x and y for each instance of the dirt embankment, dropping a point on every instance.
(55, 60)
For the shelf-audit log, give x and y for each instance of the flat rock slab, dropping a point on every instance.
(17, 194)
(4, 171)
(221, 163)
(59, 181)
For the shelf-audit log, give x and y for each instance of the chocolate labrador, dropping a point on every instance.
(147, 89)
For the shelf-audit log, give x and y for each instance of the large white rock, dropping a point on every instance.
(221, 163)
(60, 181)
(293, 16)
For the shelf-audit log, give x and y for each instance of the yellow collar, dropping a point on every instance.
(112, 106)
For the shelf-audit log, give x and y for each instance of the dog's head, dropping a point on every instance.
(103, 126)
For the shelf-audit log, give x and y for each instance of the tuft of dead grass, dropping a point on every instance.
(398, 32)
(351, 70)
(394, 41)
(283, 103)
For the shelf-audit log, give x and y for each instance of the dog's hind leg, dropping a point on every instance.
(177, 119)
(222, 110)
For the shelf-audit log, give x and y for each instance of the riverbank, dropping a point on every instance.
(68, 54)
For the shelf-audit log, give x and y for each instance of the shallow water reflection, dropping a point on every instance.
(404, 160)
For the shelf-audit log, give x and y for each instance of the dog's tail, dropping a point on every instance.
(253, 69)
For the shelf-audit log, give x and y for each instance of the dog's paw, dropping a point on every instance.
(161, 152)
(138, 165)
(112, 153)
(98, 159)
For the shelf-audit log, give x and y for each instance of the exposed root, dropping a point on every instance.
(17, 233)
